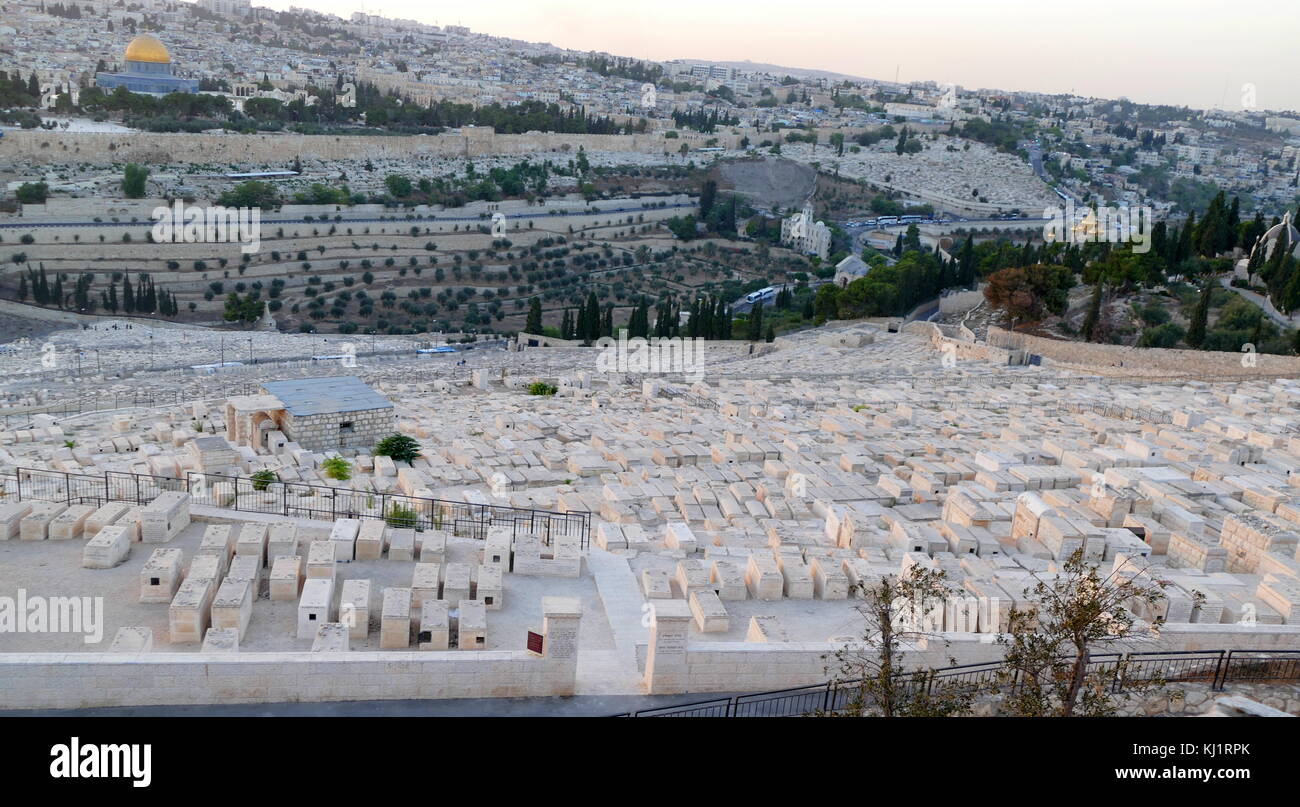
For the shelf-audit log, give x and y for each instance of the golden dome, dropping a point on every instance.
(147, 48)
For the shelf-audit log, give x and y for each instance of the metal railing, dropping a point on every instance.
(1218, 668)
(302, 500)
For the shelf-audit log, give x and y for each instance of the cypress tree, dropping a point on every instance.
(1272, 271)
(1290, 300)
(590, 319)
(756, 322)
(534, 322)
(1234, 224)
(966, 263)
(1094, 310)
(1184, 250)
(1196, 329)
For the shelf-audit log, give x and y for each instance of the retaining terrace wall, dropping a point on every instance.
(761, 667)
(85, 680)
(1121, 360)
(953, 338)
(44, 147)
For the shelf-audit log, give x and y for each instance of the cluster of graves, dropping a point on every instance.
(762, 495)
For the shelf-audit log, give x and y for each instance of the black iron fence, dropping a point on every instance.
(302, 500)
(1218, 668)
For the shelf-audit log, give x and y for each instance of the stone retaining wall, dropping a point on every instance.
(760, 667)
(85, 680)
(1120, 360)
(43, 147)
(953, 339)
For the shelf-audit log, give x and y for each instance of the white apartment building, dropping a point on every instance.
(227, 8)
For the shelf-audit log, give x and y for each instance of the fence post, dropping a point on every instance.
(1222, 665)
(1117, 684)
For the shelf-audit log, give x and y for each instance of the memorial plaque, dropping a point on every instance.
(535, 643)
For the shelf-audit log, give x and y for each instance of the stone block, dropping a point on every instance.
(286, 578)
(370, 539)
(160, 575)
(354, 607)
(395, 619)
(107, 549)
(435, 626)
(709, 612)
(251, 541)
(315, 606)
(471, 625)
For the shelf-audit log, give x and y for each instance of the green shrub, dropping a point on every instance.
(400, 516)
(337, 468)
(1166, 335)
(1153, 314)
(399, 447)
(263, 479)
(542, 388)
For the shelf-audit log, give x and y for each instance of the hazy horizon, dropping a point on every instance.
(1191, 53)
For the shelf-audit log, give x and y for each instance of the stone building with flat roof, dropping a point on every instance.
(318, 414)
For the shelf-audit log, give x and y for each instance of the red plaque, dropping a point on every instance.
(535, 643)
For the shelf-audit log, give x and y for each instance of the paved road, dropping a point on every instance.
(1279, 319)
(742, 306)
(1036, 159)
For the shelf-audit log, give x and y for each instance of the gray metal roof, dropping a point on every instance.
(319, 396)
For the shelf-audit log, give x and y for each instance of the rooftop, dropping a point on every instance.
(317, 396)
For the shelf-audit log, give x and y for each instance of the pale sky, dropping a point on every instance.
(1198, 53)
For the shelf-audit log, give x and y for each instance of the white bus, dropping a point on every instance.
(762, 294)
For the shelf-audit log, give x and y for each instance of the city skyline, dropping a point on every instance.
(1204, 60)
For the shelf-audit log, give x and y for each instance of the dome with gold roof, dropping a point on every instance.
(147, 48)
(149, 70)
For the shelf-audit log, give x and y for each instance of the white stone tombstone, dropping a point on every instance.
(315, 607)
